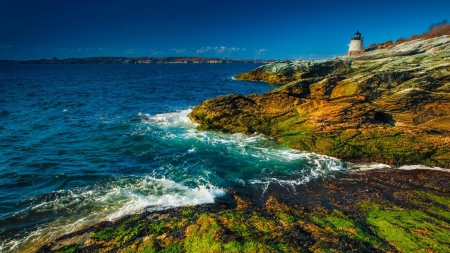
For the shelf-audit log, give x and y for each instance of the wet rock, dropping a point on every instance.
(388, 105)
(354, 211)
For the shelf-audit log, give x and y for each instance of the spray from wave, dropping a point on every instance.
(267, 160)
(77, 208)
(186, 167)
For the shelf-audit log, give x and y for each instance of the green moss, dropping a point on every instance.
(200, 116)
(127, 231)
(264, 225)
(408, 230)
(68, 249)
(443, 200)
(319, 221)
(103, 235)
(122, 234)
(425, 200)
(346, 148)
(249, 246)
(286, 217)
(287, 124)
(347, 227)
(187, 211)
(148, 246)
(172, 248)
(207, 233)
(156, 227)
(281, 247)
(297, 139)
(202, 235)
(236, 222)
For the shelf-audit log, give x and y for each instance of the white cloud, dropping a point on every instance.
(220, 49)
(179, 50)
(261, 51)
(204, 49)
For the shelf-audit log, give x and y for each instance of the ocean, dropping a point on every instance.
(81, 144)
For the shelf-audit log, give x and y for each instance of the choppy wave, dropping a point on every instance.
(76, 151)
(193, 167)
(270, 161)
(74, 209)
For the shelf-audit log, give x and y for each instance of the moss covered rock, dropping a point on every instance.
(387, 105)
(370, 211)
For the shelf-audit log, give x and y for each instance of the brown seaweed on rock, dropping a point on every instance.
(369, 211)
(387, 105)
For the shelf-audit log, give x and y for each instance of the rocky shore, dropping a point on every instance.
(389, 105)
(356, 211)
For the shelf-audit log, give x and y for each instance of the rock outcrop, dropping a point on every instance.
(388, 105)
(371, 211)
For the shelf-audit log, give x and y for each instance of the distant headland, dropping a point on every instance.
(135, 60)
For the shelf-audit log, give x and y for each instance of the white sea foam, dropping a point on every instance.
(171, 119)
(111, 201)
(158, 194)
(256, 145)
(371, 166)
(380, 166)
(421, 167)
(316, 166)
(123, 196)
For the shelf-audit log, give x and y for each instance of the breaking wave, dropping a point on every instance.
(118, 197)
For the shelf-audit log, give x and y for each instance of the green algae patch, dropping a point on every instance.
(103, 235)
(209, 233)
(203, 235)
(336, 223)
(443, 200)
(372, 211)
(68, 249)
(440, 205)
(121, 235)
(206, 235)
(408, 230)
(236, 222)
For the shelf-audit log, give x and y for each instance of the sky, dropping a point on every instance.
(236, 29)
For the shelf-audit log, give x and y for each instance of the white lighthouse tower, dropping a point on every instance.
(356, 44)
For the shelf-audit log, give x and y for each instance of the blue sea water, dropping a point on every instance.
(80, 144)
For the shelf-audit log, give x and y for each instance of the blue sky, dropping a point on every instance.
(254, 29)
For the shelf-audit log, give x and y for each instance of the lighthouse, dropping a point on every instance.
(356, 44)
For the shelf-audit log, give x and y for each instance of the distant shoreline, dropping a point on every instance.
(135, 60)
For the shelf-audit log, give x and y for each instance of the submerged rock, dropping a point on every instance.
(388, 105)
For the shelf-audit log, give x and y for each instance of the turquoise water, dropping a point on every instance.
(81, 144)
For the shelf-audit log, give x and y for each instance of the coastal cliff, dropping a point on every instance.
(389, 105)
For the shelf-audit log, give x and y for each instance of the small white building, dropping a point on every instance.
(356, 45)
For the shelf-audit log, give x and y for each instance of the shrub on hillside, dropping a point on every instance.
(435, 30)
